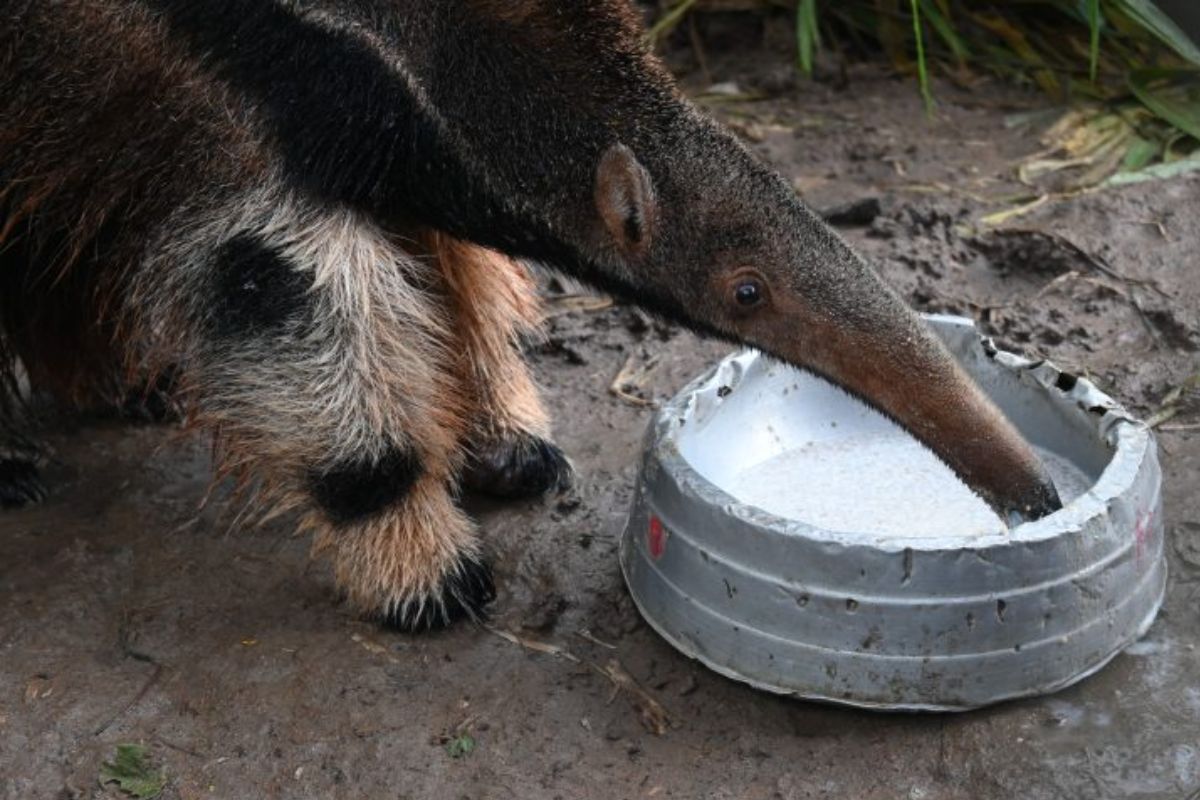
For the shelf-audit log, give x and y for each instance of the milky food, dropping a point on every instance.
(887, 484)
(797, 447)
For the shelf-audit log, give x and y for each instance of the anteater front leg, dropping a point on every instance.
(321, 355)
(495, 307)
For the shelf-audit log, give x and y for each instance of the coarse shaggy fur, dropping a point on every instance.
(313, 217)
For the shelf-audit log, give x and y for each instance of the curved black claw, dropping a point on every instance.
(465, 594)
(20, 484)
(523, 466)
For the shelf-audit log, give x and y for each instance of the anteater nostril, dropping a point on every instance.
(351, 491)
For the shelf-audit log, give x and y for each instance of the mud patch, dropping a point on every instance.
(1026, 252)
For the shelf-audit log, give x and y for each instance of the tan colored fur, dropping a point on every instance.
(495, 306)
(414, 342)
(413, 339)
(401, 557)
(396, 561)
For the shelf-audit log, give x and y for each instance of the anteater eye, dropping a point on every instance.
(748, 292)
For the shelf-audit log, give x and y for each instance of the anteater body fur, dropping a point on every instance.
(316, 213)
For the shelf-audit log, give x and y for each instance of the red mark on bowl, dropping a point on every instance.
(1142, 531)
(656, 538)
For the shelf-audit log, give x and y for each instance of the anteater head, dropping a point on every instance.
(614, 177)
(709, 234)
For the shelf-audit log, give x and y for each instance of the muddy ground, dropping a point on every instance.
(128, 616)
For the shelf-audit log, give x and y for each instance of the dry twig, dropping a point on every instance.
(572, 303)
(653, 716)
(633, 377)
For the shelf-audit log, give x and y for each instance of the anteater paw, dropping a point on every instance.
(465, 593)
(20, 484)
(521, 466)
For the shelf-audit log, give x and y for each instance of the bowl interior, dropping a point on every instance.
(799, 448)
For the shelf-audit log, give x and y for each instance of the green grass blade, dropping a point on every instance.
(1174, 95)
(1093, 20)
(808, 36)
(945, 30)
(922, 67)
(669, 20)
(1148, 15)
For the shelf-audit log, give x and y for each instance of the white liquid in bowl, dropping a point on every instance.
(883, 483)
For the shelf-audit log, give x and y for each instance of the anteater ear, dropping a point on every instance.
(625, 200)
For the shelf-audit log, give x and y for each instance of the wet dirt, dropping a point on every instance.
(126, 615)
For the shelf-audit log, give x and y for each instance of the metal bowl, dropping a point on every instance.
(833, 600)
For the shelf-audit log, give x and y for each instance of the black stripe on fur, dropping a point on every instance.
(347, 127)
(353, 491)
(255, 289)
(349, 130)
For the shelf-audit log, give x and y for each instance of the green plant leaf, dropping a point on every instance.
(668, 21)
(1073, 49)
(922, 67)
(943, 28)
(808, 36)
(1140, 153)
(1148, 16)
(1173, 95)
(132, 773)
(460, 745)
(1093, 20)
(1184, 166)
(1018, 42)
